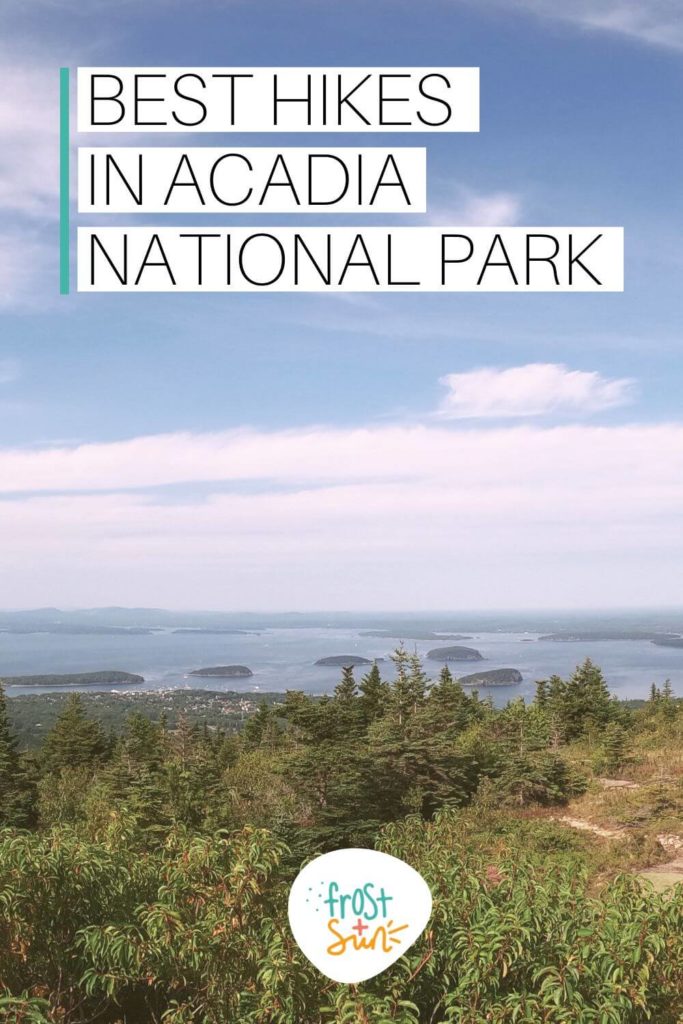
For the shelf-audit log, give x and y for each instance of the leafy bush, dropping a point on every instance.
(197, 931)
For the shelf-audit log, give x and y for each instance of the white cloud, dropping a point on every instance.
(532, 390)
(29, 178)
(29, 128)
(389, 516)
(467, 208)
(657, 22)
(25, 264)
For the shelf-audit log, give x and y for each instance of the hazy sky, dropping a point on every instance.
(358, 452)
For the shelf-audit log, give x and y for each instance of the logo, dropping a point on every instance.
(354, 912)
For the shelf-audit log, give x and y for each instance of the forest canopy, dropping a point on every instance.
(144, 870)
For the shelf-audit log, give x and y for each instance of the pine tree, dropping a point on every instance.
(184, 741)
(346, 690)
(554, 708)
(401, 696)
(448, 706)
(612, 755)
(669, 703)
(75, 741)
(529, 772)
(374, 694)
(134, 776)
(589, 706)
(541, 698)
(15, 792)
(142, 743)
(417, 682)
(256, 726)
(346, 708)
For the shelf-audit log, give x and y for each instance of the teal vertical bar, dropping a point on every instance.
(64, 148)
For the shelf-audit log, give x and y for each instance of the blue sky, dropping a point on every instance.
(126, 422)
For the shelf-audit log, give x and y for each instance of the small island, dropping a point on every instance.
(668, 641)
(224, 672)
(66, 629)
(415, 634)
(212, 631)
(494, 677)
(455, 654)
(343, 661)
(595, 635)
(105, 678)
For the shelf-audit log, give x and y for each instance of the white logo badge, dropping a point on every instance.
(354, 912)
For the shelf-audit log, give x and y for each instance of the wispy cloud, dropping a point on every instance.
(340, 517)
(468, 208)
(535, 389)
(25, 263)
(29, 120)
(656, 22)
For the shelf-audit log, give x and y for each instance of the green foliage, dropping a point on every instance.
(153, 887)
(16, 796)
(75, 741)
(197, 931)
(613, 751)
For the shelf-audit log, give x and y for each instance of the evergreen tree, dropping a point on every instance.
(417, 682)
(75, 741)
(256, 726)
(541, 698)
(15, 790)
(346, 708)
(448, 706)
(134, 777)
(401, 694)
(588, 704)
(374, 694)
(528, 771)
(554, 707)
(612, 756)
(346, 690)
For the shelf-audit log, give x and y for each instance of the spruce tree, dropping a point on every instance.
(417, 682)
(255, 726)
(448, 707)
(346, 690)
(15, 794)
(346, 708)
(588, 703)
(669, 705)
(134, 776)
(401, 696)
(555, 710)
(541, 698)
(374, 693)
(612, 756)
(75, 741)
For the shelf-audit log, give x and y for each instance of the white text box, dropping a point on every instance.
(539, 259)
(115, 99)
(261, 179)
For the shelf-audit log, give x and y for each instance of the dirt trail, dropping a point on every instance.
(664, 876)
(588, 826)
(661, 876)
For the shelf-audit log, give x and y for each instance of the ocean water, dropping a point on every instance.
(283, 658)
